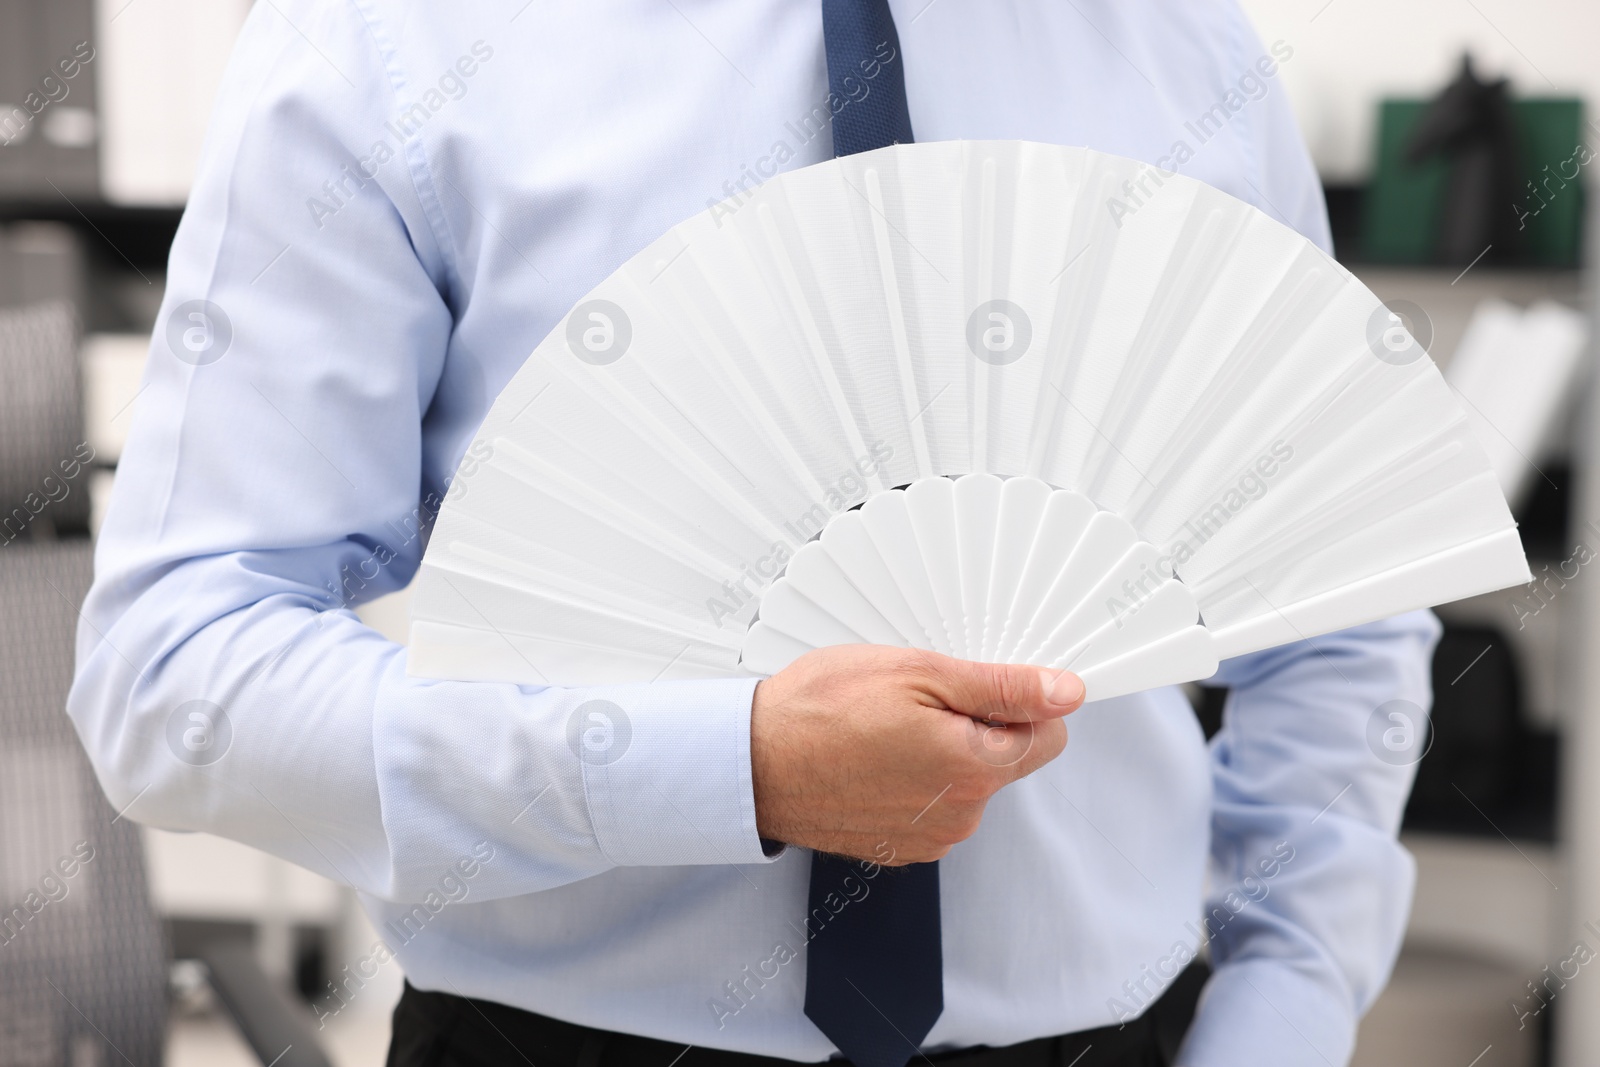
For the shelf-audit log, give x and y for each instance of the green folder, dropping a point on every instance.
(1401, 213)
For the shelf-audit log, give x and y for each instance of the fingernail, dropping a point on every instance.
(1061, 687)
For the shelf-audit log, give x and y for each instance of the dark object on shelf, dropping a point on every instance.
(310, 963)
(40, 262)
(1412, 210)
(1543, 518)
(1469, 124)
(136, 238)
(1486, 773)
(44, 475)
(195, 939)
(117, 256)
(1344, 219)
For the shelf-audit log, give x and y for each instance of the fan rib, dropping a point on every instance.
(808, 327)
(897, 324)
(662, 437)
(1065, 346)
(887, 518)
(930, 506)
(850, 545)
(1495, 561)
(1022, 505)
(980, 369)
(709, 340)
(590, 501)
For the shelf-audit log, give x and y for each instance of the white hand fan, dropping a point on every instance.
(1031, 575)
(1135, 434)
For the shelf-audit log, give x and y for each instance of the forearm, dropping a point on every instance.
(331, 757)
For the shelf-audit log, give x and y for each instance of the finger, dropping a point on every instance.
(1004, 692)
(1049, 740)
(1014, 750)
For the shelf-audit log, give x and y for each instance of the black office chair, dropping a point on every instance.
(83, 956)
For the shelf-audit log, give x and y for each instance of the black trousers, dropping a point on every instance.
(444, 1030)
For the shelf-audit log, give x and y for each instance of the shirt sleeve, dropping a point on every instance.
(1282, 180)
(1311, 888)
(273, 477)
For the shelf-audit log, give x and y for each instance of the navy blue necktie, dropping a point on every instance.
(874, 965)
(866, 76)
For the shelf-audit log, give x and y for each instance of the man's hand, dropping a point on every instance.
(855, 746)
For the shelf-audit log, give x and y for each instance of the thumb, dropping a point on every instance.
(1005, 692)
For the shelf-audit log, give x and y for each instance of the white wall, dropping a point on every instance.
(159, 64)
(1351, 53)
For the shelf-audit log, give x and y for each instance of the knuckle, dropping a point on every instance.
(966, 826)
(933, 848)
(905, 664)
(1013, 690)
(940, 673)
(971, 786)
(960, 823)
(1049, 741)
(921, 852)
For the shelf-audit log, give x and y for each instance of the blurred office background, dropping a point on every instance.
(1457, 196)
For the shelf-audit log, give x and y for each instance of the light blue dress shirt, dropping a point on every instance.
(396, 202)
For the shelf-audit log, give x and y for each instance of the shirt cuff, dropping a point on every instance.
(1269, 1011)
(670, 785)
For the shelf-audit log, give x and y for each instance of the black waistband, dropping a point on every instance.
(434, 1029)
